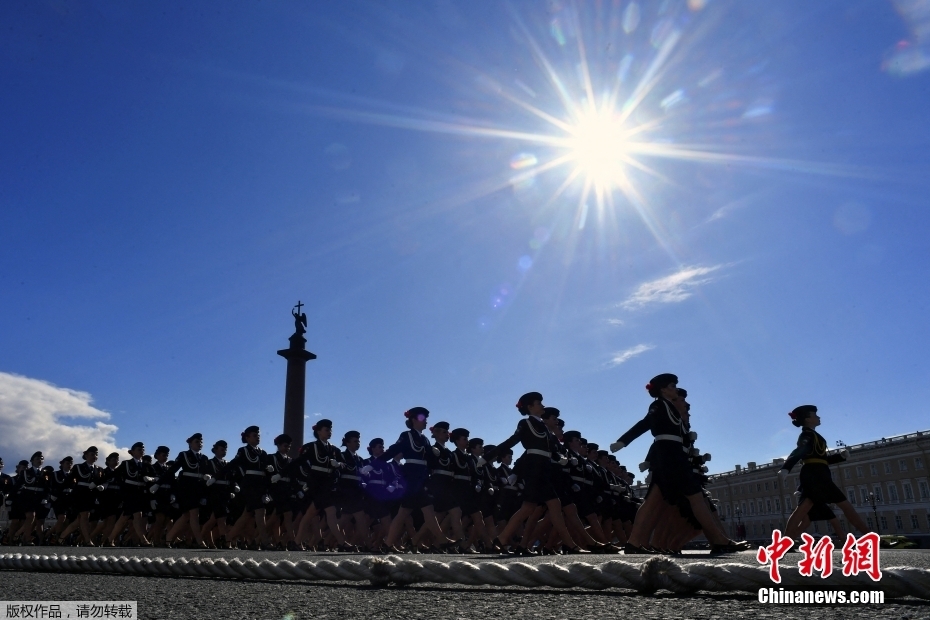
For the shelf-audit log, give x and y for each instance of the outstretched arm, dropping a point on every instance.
(627, 438)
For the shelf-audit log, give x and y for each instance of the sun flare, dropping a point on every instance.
(598, 146)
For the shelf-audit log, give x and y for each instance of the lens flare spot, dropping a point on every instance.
(555, 28)
(676, 98)
(525, 263)
(696, 5)
(631, 17)
(521, 161)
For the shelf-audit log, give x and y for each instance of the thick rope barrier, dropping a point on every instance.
(656, 573)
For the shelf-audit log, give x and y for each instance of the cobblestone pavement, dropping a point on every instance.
(161, 597)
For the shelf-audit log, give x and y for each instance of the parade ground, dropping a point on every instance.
(201, 598)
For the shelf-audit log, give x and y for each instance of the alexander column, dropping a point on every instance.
(297, 357)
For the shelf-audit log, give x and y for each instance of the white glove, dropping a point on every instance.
(153, 488)
(573, 461)
(276, 477)
(481, 462)
(207, 478)
(232, 496)
(599, 499)
(644, 466)
(521, 486)
(210, 480)
(588, 467)
(844, 453)
(512, 479)
(269, 469)
(266, 499)
(391, 488)
(45, 502)
(153, 504)
(236, 488)
(300, 494)
(615, 487)
(692, 435)
(477, 488)
(617, 446)
(364, 486)
(333, 462)
(53, 498)
(436, 451)
(203, 501)
(340, 465)
(782, 473)
(576, 488)
(490, 490)
(563, 461)
(704, 469)
(366, 470)
(101, 487)
(706, 457)
(148, 479)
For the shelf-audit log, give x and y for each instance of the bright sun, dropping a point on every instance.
(598, 145)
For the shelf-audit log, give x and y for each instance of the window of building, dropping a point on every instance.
(902, 465)
(758, 487)
(788, 504)
(752, 508)
(864, 494)
(766, 486)
(892, 493)
(908, 491)
(728, 510)
(914, 524)
(755, 529)
(777, 505)
(887, 467)
(868, 521)
(873, 469)
(884, 523)
(846, 474)
(761, 511)
(858, 471)
(878, 493)
(851, 494)
(918, 462)
(768, 506)
(898, 523)
(775, 484)
(924, 489)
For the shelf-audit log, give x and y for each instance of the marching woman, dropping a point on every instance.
(319, 464)
(537, 469)
(32, 484)
(84, 478)
(60, 487)
(351, 496)
(188, 489)
(219, 495)
(281, 508)
(133, 477)
(418, 455)
(377, 477)
(817, 486)
(251, 466)
(672, 477)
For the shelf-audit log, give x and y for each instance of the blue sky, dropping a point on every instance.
(175, 176)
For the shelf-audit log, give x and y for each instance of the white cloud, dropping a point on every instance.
(624, 356)
(615, 322)
(32, 414)
(670, 289)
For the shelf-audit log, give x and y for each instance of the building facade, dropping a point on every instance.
(885, 480)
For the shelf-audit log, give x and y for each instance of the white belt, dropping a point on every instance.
(578, 479)
(134, 483)
(544, 453)
(667, 438)
(283, 480)
(37, 489)
(442, 472)
(414, 462)
(510, 487)
(462, 477)
(376, 482)
(191, 475)
(221, 482)
(85, 484)
(328, 470)
(254, 472)
(346, 477)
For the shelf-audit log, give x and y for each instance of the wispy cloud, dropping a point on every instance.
(628, 354)
(32, 414)
(671, 289)
(615, 322)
